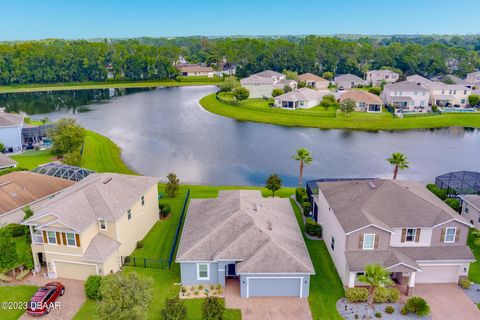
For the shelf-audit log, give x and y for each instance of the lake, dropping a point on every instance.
(166, 130)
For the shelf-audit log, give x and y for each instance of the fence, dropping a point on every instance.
(177, 232)
(145, 262)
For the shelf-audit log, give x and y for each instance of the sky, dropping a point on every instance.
(86, 19)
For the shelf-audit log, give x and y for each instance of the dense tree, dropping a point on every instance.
(293, 75)
(329, 101)
(375, 276)
(174, 309)
(273, 183)
(172, 185)
(9, 257)
(347, 106)
(229, 84)
(304, 157)
(213, 308)
(474, 100)
(241, 93)
(327, 75)
(276, 92)
(399, 161)
(67, 137)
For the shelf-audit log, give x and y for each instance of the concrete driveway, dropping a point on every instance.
(70, 302)
(266, 308)
(447, 302)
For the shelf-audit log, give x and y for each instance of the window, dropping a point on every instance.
(359, 274)
(465, 92)
(129, 214)
(332, 244)
(463, 101)
(103, 224)
(443, 91)
(368, 241)
(466, 209)
(52, 239)
(143, 200)
(450, 234)
(71, 240)
(410, 236)
(203, 271)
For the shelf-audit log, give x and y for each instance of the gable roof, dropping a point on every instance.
(303, 94)
(348, 78)
(473, 199)
(416, 79)
(20, 188)
(10, 119)
(356, 260)
(311, 77)
(256, 80)
(268, 74)
(100, 248)
(361, 96)
(382, 72)
(6, 161)
(261, 233)
(99, 196)
(405, 85)
(444, 86)
(386, 204)
(195, 69)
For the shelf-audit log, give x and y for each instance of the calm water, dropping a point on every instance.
(165, 130)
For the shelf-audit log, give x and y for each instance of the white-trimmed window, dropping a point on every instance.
(450, 234)
(203, 271)
(102, 224)
(410, 235)
(368, 241)
(71, 242)
(51, 237)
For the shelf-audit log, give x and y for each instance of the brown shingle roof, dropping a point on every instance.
(311, 77)
(361, 96)
(10, 119)
(6, 161)
(196, 69)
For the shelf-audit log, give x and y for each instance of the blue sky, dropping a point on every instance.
(39, 19)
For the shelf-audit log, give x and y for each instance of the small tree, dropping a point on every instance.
(329, 101)
(241, 93)
(474, 100)
(8, 248)
(375, 90)
(213, 309)
(287, 88)
(2, 147)
(347, 106)
(292, 75)
(399, 161)
(67, 136)
(273, 183)
(174, 309)
(92, 287)
(327, 75)
(125, 296)
(229, 84)
(301, 84)
(276, 92)
(172, 185)
(375, 276)
(305, 158)
(73, 158)
(28, 213)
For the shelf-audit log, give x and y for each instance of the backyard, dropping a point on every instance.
(474, 271)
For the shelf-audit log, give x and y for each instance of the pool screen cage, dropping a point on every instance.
(460, 182)
(63, 171)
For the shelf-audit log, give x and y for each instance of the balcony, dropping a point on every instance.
(37, 237)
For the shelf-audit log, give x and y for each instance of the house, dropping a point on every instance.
(449, 95)
(348, 81)
(303, 98)
(406, 96)
(473, 78)
(314, 81)
(11, 131)
(87, 228)
(20, 189)
(6, 162)
(421, 81)
(452, 79)
(365, 101)
(376, 77)
(284, 83)
(248, 238)
(398, 224)
(471, 209)
(195, 71)
(258, 87)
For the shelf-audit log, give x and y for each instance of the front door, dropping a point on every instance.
(231, 270)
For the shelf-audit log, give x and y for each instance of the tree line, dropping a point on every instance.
(54, 61)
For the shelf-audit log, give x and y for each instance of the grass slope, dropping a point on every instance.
(474, 270)
(356, 121)
(14, 294)
(32, 159)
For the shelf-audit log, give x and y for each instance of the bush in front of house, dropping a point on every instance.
(174, 309)
(416, 305)
(140, 244)
(213, 308)
(386, 295)
(464, 283)
(378, 314)
(300, 194)
(453, 203)
(356, 295)
(307, 208)
(442, 194)
(92, 287)
(389, 309)
(312, 228)
(16, 229)
(165, 209)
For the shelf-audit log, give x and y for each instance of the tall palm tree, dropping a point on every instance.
(375, 276)
(305, 158)
(399, 160)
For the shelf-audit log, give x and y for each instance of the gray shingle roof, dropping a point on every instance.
(10, 119)
(6, 161)
(256, 80)
(100, 248)
(348, 78)
(241, 225)
(405, 85)
(269, 74)
(461, 252)
(356, 260)
(303, 94)
(472, 199)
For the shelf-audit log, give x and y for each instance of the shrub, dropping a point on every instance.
(453, 203)
(313, 228)
(174, 309)
(192, 288)
(389, 309)
(378, 314)
(213, 309)
(212, 287)
(140, 244)
(196, 292)
(5, 171)
(200, 287)
(307, 208)
(404, 311)
(165, 210)
(375, 90)
(92, 287)
(218, 287)
(5, 278)
(386, 295)
(277, 92)
(17, 230)
(417, 305)
(465, 283)
(300, 194)
(183, 289)
(356, 295)
(434, 108)
(22, 274)
(356, 316)
(442, 194)
(241, 93)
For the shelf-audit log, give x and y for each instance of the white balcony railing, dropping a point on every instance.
(37, 238)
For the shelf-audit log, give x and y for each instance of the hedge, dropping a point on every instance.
(307, 207)
(313, 228)
(442, 194)
(356, 295)
(453, 203)
(382, 295)
(165, 209)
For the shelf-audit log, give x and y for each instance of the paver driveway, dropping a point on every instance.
(266, 308)
(447, 302)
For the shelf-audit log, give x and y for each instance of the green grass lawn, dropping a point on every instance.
(474, 271)
(356, 120)
(14, 294)
(32, 159)
(325, 286)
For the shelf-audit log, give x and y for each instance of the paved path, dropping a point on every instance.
(447, 302)
(266, 308)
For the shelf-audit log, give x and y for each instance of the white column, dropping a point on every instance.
(411, 279)
(351, 279)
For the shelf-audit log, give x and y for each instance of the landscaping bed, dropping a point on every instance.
(200, 291)
(352, 311)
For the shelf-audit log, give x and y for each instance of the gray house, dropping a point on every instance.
(348, 81)
(471, 209)
(248, 238)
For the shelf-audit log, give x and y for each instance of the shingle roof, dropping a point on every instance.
(303, 94)
(196, 69)
(311, 77)
(268, 74)
(473, 199)
(348, 78)
(356, 260)
(10, 119)
(405, 85)
(421, 80)
(100, 248)
(361, 96)
(455, 252)
(382, 72)
(261, 233)
(99, 196)
(255, 79)
(385, 203)
(6, 161)
(20, 188)
(282, 83)
(443, 86)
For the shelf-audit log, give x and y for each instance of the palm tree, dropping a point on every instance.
(304, 156)
(399, 160)
(375, 276)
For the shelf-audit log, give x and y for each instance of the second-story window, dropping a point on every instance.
(450, 234)
(52, 239)
(411, 233)
(368, 241)
(103, 224)
(129, 214)
(332, 244)
(143, 200)
(71, 240)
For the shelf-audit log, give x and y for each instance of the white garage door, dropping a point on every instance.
(438, 274)
(74, 270)
(274, 287)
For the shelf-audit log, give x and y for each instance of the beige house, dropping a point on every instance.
(87, 228)
(196, 71)
(365, 101)
(473, 78)
(376, 77)
(303, 98)
(314, 81)
(348, 81)
(405, 96)
(398, 224)
(449, 95)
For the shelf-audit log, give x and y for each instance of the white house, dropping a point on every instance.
(449, 95)
(375, 77)
(11, 131)
(196, 71)
(406, 96)
(261, 85)
(303, 98)
(284, 83)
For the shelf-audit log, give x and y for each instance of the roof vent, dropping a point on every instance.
(372, 185)
(107, 180)
(269, 225)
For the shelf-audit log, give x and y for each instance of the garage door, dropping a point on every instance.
(74, 270)
(438, 274)
(274, 287)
